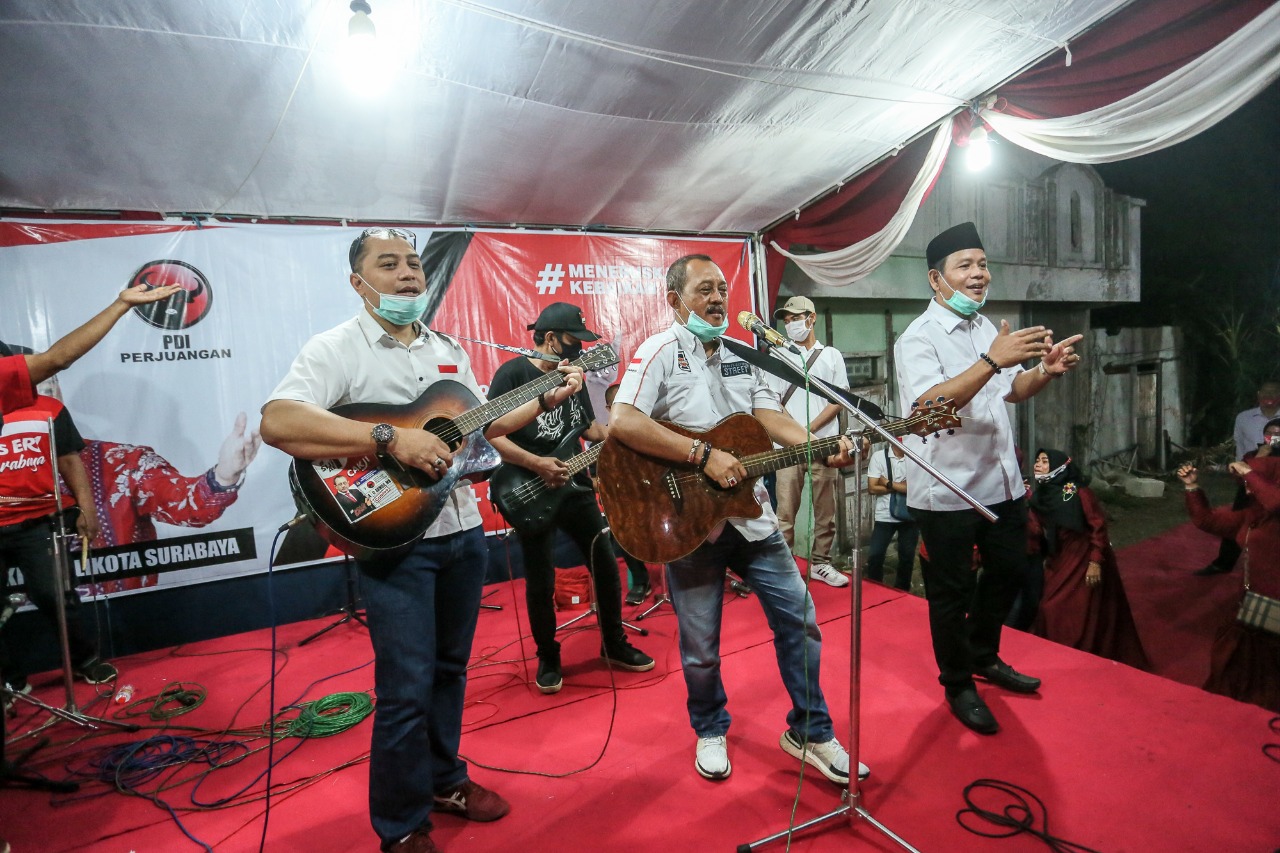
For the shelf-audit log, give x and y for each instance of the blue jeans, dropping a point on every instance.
(696, 586)
(422, 617)
(881, 535)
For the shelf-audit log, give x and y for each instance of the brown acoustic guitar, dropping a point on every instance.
(399, 503)
(660, 511)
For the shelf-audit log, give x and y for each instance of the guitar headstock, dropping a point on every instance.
(597, 358)
(928, 419)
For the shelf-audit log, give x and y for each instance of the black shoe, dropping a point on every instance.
(626, 656)
(1211, 569)
(96, 671)
(637, 594)
(1003, 675)
(549, 679)
(973, 712)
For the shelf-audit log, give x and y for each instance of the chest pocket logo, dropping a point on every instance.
(735, 368)
(682, 361)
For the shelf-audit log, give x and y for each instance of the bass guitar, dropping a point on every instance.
(370, 506)
(661, 511)
(526, 501)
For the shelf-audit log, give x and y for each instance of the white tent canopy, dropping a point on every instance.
(711, 116)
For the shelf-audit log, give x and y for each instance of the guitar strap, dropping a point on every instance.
(808, 365)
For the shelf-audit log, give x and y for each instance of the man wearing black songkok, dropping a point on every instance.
(953, 352)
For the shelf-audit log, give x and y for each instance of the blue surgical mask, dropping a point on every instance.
(702, 330)
(398, 310)
(961, 303)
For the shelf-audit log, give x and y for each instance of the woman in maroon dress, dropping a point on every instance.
(1084, 604)
(1246, 661)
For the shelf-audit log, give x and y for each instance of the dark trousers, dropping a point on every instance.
(1022, 615)
(967, 608)
(579, 517)
(881, 535)
(31, 550)
(422, 618)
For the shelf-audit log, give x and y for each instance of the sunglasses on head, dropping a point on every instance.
(381, 234)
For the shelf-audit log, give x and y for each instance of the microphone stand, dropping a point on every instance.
(853, 808)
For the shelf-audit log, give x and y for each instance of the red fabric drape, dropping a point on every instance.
(1142, 43)
(861, 208)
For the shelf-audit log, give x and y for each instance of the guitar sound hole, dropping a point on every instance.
(441, 427)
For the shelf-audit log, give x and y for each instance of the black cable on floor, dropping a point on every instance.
(1272, 750)
(1015, 818)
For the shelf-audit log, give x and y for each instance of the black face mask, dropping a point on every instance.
(570, 351)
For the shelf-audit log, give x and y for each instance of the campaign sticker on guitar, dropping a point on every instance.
(359, 487)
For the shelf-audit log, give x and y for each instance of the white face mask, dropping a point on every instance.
(798, 330)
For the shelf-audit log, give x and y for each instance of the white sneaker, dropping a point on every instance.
(828, 574)
(829, 757)
(713, 758)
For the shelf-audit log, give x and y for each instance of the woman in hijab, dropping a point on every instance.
(1084, 604)
(1246, 661)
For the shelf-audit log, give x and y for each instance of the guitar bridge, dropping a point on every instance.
(673, 487)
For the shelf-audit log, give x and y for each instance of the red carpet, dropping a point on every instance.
(1124, 760)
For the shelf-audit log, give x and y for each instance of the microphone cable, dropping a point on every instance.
(1015, 818)
(1272, 750)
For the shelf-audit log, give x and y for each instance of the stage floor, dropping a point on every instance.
(1123, 760)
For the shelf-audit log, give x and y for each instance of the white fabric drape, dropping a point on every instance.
(845, 266)
(1169, 111)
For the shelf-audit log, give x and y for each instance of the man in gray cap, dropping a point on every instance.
(953, 352)
(825, 363)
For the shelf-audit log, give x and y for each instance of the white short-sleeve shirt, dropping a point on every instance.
(804, 406)
(940, 345)
(358, 362)
(671, 378)
(895, 472)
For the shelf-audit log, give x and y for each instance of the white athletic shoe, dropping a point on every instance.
(830, 757)
(713, 758)
(828, 574)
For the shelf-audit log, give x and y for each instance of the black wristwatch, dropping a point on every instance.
(383, 434)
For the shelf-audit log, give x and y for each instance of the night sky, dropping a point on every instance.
(1210, 250)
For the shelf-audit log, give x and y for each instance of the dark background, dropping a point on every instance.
(1211, 258)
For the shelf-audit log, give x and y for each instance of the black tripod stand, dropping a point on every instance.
(349, 610)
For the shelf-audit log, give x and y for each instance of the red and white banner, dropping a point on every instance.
(161, 398)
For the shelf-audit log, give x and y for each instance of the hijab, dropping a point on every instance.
(1056, 498)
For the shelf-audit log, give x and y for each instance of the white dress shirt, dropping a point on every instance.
(894, 472)
(358, 362)
(940, 345)
(1249, 426)
(672, 379)
(804, 406)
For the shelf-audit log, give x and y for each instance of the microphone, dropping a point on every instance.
(765, 332)
(11, 605)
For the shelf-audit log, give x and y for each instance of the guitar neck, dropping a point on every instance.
(473, 420)
(758, 464)
(584, 459)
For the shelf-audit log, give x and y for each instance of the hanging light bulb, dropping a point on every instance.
(978, 155)
(364, 61)
(361, 28)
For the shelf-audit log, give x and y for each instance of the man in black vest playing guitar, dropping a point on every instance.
(560, 331)
(421, 605)
(685, 376)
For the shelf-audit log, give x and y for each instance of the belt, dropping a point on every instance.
(44, 520)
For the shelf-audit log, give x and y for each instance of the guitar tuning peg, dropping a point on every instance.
(951, 432)
(940, 398)
(935, 435)
(916, 403)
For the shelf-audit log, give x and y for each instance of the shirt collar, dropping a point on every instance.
(375, 334)
(950, 320)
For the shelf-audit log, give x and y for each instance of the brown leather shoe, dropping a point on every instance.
(418, 841)
(472, 802)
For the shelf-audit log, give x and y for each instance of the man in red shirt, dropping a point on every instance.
(29, 502)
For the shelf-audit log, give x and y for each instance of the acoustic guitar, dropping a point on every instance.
(661, 511)
(526, 501)
(399, 502)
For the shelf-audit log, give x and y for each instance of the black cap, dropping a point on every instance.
(957, 238)
(563, 317)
